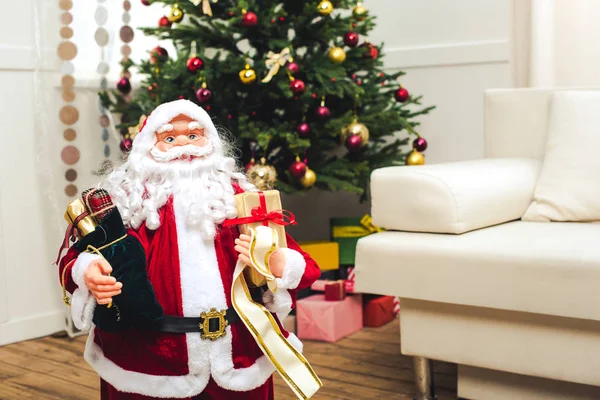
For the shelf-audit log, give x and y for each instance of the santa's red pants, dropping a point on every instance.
(212, 392)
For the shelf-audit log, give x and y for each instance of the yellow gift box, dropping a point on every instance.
(326, 254)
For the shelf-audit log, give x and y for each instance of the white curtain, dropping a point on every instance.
(556, 43)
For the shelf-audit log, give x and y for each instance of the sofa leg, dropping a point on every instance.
(423, 379)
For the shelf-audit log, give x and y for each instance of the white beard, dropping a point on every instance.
(142, 185)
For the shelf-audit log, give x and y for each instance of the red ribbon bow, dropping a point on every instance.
(260, 214)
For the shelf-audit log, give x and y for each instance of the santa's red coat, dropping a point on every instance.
(189, 275)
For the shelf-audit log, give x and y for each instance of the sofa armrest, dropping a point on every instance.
(455, 197)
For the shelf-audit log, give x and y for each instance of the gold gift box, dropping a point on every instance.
(245, 203)
(325, 254)
(74, 210)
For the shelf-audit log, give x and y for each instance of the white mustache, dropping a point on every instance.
(181, 152)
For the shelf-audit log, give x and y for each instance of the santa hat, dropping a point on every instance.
(164, 113)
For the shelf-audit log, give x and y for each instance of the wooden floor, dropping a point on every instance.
(366, 365)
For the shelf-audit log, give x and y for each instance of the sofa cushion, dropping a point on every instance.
(568, 188)
(453, 198)
(523, 266)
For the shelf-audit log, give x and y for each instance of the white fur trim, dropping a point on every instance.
(135, 382)
(182, 386)
(280, 302)
(83, 303)
(295, 264)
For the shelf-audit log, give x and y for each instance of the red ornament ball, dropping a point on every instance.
(323, 112)
(203, 95)
(314, 95)
(298, 169)
(303, 130)
(229, 116)
(146, 2)
(353, 76)
(420, 144)
(371, 51)
(164, 22)
(401, 95)
(195, 64)
(293, 67)
(354, 143)
(126, 145)
(297, 86)
(181, 97)
(159, 54)
(124, 86)
(351, 39)
(249, 19)
(282, 19)
(332, 79)
(273, 20)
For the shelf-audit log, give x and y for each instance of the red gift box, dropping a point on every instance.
(378, 310)
(319, 286)
(329, 321)
(335, 291)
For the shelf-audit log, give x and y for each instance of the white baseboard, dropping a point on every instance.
(33, 327)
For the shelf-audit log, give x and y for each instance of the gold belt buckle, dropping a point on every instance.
(205, 324)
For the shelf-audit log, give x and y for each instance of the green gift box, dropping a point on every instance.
(347, 231)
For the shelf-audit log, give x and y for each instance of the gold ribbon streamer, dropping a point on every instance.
(289, 362)
(366, 228)
(275, 61)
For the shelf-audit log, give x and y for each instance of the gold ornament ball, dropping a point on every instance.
(356, 128)
(325, 7)
(262, 175)
(337, 55)
(415, 158)
(359, 12)
(247, 76)
(309, 178)
(175, 15)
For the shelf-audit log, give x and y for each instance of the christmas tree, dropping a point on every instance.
(293, 80)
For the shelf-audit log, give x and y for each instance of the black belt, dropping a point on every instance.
(210, 324)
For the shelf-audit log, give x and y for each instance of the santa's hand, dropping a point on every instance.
(276, 261)
(102, 286)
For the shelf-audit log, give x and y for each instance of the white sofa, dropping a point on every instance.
(515, 304)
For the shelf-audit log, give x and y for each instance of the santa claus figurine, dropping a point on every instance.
(173, 193)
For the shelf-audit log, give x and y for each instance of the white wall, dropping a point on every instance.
(29, 297)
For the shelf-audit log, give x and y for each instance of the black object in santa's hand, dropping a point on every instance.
(137, 304)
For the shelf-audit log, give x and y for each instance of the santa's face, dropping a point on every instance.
(179, 139)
